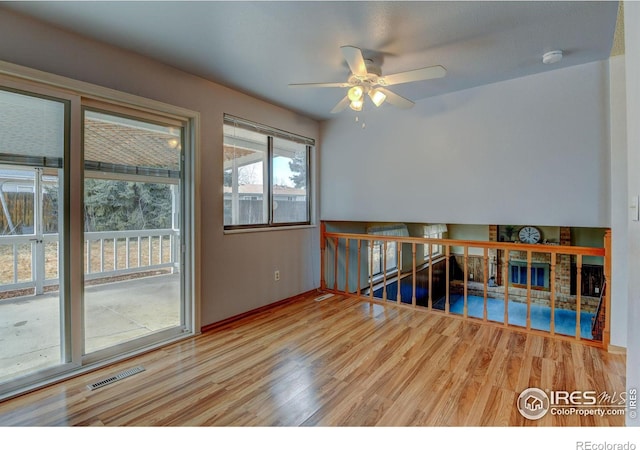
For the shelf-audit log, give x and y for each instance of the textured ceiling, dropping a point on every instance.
(261, 47)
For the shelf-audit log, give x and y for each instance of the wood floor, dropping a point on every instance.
(338, 362)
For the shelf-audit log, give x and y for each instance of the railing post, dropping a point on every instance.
(101, 255)
(384, 270)
(37, 265)
(528, 289)
(115, 254)
(127, 249)
(413, 275)
(552, 287)
(359, 262)
(370, 268)
(578, 293)
(486, 280)
(399, 266)
(89, 266)
(15, 263)
(606, 335)
(430, 300)
(447, 277)
(505, 282)
(336, 242)
(466, 276)
(323, 230)
(346, 266)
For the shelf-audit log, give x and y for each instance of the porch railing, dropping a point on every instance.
(31, 263)
(347, 261)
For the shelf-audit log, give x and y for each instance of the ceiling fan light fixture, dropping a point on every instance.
(355, 93)
(377, 97)
(356, 105)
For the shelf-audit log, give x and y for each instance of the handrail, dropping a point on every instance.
(119, 242)
(555, 294)
(536, 248)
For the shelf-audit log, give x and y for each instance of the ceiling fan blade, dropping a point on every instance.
(314, 85)
(426, 73)
(342, 104)
(353, 56)
(396, 100)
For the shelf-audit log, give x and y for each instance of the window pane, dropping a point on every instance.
(32, 142)
(376, 268)
(290, 194)
(132, 233)
(245, 165)
(523, 274)
(129, 154)
(541, 278)
(17, 188)
(31, 126)
(392, 256)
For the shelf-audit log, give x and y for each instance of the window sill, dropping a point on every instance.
(261, 229)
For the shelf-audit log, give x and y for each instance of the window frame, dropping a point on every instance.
(524, 273)
(268, 188)
(436, 249)
(378, 247)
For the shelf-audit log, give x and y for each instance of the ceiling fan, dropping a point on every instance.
(366, 80)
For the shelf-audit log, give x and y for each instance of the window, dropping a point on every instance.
(266, 176)
(378, 250)
(433, 232)
(539, 275)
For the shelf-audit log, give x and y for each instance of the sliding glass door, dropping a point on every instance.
(95, 231)
(33, 296)
(132, 231)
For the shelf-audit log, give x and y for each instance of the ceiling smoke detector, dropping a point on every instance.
(552, 57)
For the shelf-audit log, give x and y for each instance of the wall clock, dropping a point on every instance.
(529, 235)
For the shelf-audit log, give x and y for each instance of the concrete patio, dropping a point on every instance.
(114, 313)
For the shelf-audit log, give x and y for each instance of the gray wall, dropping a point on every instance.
(533, 150)
(237, 270)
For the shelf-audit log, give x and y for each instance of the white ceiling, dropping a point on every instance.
(261, 47)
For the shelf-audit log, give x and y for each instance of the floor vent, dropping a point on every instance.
(323, 297)
(114, 378)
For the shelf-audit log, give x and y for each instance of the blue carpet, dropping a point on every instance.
(565, 320)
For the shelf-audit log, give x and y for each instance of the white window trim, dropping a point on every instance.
(274, 133)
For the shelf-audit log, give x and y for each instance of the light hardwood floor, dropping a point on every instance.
(339, 362)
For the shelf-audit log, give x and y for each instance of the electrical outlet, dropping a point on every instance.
(471, 276)
(597, 290)
(276, 275)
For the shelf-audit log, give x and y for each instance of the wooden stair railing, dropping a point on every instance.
(337, 276)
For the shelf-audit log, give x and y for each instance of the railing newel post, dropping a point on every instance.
(413, 273)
